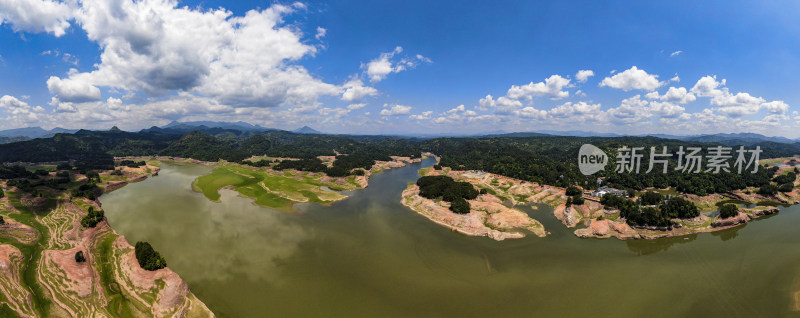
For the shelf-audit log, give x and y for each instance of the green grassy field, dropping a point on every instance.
(277, 190)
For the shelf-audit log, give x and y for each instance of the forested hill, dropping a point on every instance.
(545, 159)
(209, 144)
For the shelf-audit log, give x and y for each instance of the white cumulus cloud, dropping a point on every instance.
(395, 110)
(632, 78)
(36, 16)
(552, 87)
(583, 75)
(675, 95)
(354, 91)
(386, 63)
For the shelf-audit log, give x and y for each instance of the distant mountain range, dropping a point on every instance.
(215, 127)
(727, 139)
(239, 125)
(34, 132)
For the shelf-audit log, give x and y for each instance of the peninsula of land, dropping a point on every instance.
(492, 213)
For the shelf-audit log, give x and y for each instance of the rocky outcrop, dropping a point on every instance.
(744, 216)
(741, 218)
(756, 213)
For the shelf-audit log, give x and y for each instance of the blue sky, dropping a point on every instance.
(679, 67)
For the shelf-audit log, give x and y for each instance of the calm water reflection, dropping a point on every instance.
(369, 256)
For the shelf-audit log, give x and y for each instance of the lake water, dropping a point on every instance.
(369, 256)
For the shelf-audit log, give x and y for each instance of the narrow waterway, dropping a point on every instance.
(369, 256)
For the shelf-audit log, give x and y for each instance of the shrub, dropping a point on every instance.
(260, 163)
(88, 190)
(680, 208)
(728, 210)
(786, 178)
(768, 189)
(93, 175)
(460, 206)
(437, 167)
(788, 187)
(577, 200)
(94, 217)
(336, 172)
(651, 198)
(2, 220)
(116, 173)
(79, 257)
(573, 191)
(148, 258)
(132, 164)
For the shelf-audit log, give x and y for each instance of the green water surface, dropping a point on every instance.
(369, 256)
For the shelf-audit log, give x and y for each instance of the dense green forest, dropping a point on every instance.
(553, 160)
(540, 158)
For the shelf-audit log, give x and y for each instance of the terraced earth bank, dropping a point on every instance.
(39, 274)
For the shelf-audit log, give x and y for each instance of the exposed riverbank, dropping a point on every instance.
(593, 218)
(281, 189)
(39, 275)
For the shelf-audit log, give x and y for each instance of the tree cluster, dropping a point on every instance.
(636, 215)
(132, 164)
(16, 172)
(88, 190)
(651, 198)
(728, 211)
(679, 208)
(768, 189)
(91, 219)
(310, 165)
(259, 163)
(148, 258)
(457, 193)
